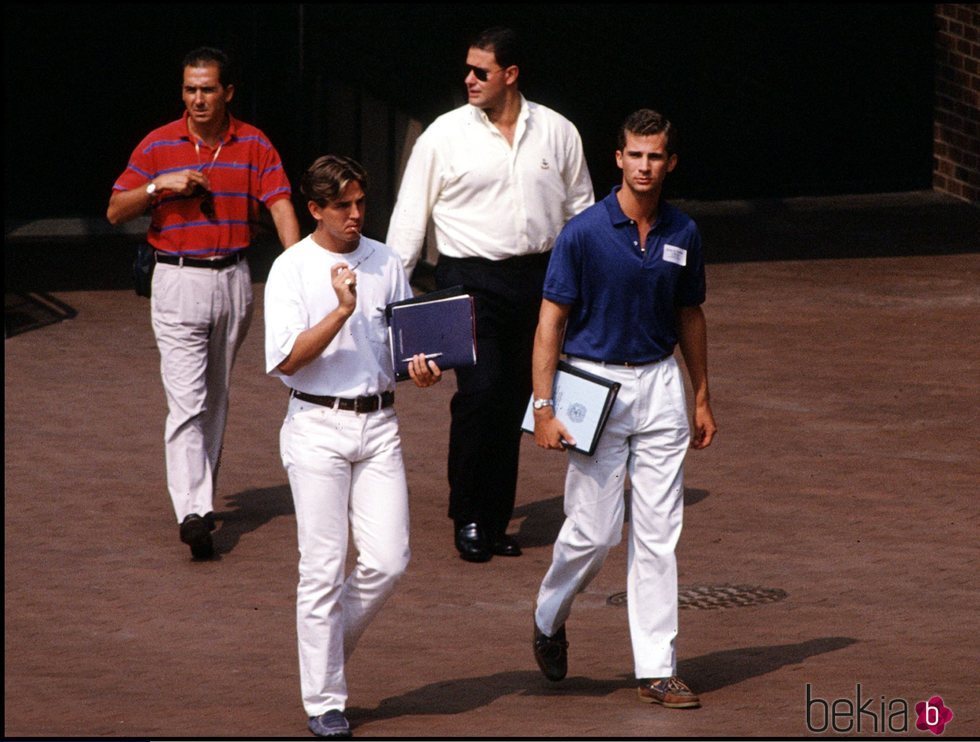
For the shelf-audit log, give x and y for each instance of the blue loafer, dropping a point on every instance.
(332, 724)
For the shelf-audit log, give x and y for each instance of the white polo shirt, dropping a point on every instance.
(489, 199)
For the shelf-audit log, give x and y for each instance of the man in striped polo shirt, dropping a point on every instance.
(202, 178)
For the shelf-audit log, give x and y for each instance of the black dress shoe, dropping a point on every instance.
(504, 545)
(551, 653)
(195, 533)
(472, 543)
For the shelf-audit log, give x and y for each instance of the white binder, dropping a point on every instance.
(583, 402)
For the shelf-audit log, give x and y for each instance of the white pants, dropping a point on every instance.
(342, 465)
(647, 436)
(200, 318)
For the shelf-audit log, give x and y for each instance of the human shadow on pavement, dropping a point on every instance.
(448, 697)
(542, 520)
(250, 510)
(692, 496)
(716, 670)
(709, 672)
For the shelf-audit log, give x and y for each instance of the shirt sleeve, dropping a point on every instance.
(273, 183)
(578, 183)
(691, 289)
(140, 169)
(417, 195)
(285, 316)
(401, 288)
(561, 284)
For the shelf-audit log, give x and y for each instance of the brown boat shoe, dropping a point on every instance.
(670, 692)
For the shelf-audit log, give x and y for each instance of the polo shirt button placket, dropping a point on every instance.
(636, 242)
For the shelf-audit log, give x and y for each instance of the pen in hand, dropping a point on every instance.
(428, 357)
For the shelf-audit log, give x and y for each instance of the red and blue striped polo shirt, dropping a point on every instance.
(246, 173)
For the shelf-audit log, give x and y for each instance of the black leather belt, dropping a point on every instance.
(370, 403)
(628, 364)
(633, 364)
(215, 264)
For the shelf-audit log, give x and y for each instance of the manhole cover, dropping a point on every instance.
(711, 597)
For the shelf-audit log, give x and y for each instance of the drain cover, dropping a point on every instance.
(711, 597)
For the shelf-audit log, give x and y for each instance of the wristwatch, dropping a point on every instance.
(540, 404)
(151, 189)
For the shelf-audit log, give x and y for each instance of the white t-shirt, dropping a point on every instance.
(299, 293)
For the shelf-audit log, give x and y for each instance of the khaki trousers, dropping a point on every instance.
(200, 318)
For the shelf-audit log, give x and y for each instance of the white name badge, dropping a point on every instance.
(674, 254)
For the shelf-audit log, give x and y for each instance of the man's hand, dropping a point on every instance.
(184, 182)
(549, 432)
(345, 286)
(423, 372)
(704, 426)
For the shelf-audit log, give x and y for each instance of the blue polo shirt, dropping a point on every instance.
(623, 299)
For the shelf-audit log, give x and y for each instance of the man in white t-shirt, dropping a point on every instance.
(327, 339)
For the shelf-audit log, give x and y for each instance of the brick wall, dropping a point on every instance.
(956, 144)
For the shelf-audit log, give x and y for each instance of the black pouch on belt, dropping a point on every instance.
(143, 264)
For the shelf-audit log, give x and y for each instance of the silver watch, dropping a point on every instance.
(540, 404)
(151, 189)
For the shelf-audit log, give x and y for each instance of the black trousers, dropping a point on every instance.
(489, 404)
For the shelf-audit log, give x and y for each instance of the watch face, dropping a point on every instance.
(151, 188)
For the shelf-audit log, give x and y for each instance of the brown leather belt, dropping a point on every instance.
(370, 403)
(215, 264)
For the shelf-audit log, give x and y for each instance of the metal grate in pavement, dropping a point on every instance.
(714, 597)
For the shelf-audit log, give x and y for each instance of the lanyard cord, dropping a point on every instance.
(214, 158)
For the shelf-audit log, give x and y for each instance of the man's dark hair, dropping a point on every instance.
(327, 178)
(205, 56)
(646, 122)
(503, 42)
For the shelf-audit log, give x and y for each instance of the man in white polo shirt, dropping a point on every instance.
(499, 177)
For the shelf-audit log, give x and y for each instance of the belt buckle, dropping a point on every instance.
(365, 404)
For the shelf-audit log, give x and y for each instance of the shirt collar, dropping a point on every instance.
(618, 218)
(230, 134)
(480, 115)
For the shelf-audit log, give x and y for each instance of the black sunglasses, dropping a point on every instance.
(478, 72)
(207, 204)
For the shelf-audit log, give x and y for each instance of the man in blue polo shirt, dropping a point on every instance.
(624, 286)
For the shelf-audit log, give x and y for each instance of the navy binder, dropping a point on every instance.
(441, 324)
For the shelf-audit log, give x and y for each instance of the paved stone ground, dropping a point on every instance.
(843, 482)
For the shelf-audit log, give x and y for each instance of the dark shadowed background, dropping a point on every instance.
(771, 100)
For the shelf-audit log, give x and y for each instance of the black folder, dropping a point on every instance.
(441, 324)
(583, 402)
